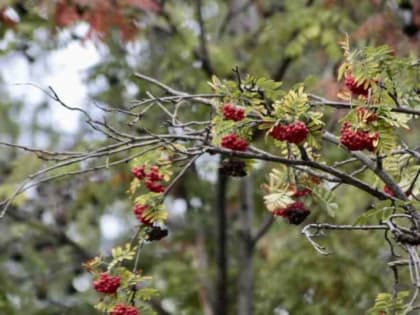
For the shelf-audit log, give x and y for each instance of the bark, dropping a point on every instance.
(221, 303)
(206, 288)
(246, 249)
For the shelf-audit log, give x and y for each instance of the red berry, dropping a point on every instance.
(121, 309)
(232, 167)
(279, 132)
(295, 213)
(233, 142)
(154, 174)
(389, 192)
(138, 211)
(154, 186)
(106, 283)
(138, 172)
(232, 112)
(295, 132)
(153, 177)
(355, 88)
(356, 140)
(156, 233)
(301, 193)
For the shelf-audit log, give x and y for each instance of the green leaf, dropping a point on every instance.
(326, 198)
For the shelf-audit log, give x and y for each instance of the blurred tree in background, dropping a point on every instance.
(224, 254)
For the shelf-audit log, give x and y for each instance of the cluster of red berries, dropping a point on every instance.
(233, 167)
(106, 283)
(356, 140)
(295, 213)
(138, 211)
(355, 88)
(233, 142)
(122, 309)
(295, 132)
(156, 233)
(152, 178)
(301, 193)
(232, 112)
(365, 115)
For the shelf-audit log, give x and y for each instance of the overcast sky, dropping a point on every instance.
(62, 69)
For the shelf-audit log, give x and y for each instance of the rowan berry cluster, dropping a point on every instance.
(106, 283)
(138, 211)
(152, 178)
(234, 142)
(156, 233)
(295, 132)
(357, 140)
(295, 213)
(122, 309)
(232, 112)
(355, 88)
(139, 172)
(233, 167)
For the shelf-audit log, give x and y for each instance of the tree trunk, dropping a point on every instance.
(206, 289)
(221, 303)
(245, 279)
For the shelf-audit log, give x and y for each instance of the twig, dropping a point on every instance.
(265, 226)
(204, 52)
(180, 174)
(325, 226)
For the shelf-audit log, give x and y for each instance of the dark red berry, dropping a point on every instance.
(295, 132)
(279, 132)
(154, 174)
(154, 186)
(106, 283)
(370, 142)
(122, 309)
(389, 192)
(138, 211)
(301, 193)
(232, 167)
(357, 140)
(139, 172)
(295, 213)
(232, 112)
(152, 177)
(156, 233)
(355, 88)
(233, 142)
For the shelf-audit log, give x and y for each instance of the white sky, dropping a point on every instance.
(62, 69)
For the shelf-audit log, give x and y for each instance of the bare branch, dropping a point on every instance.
(265, 226)
(325, 226)
(320, 101)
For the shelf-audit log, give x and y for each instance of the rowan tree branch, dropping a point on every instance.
(265, 156)
(204, 51)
